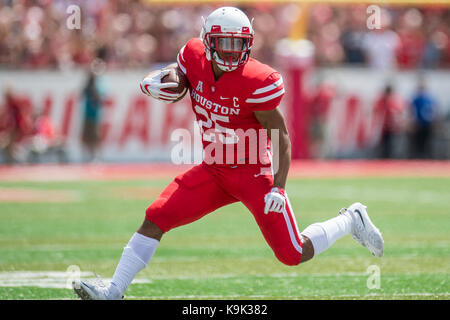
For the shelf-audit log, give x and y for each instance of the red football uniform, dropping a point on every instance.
(224, 110)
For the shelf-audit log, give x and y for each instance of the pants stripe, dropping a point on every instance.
(289, 217)
(291, 223)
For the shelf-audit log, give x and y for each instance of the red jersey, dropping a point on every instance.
(231, 134)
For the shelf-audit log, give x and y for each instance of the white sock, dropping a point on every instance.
(135, 257)
(324, 234)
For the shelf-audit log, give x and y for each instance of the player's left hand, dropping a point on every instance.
(275, 200)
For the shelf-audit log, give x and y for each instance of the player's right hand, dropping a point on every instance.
(152, 86)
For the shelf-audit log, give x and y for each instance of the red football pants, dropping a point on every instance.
(205, 188)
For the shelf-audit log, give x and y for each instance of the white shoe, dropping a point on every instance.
(364, 231)
(88, 291)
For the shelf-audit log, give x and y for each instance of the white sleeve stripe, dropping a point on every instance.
(181, 53)
(267, 98)
(269, 87)
(180, 65)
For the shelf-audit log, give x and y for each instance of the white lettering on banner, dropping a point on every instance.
(122, 99)
(133, 127)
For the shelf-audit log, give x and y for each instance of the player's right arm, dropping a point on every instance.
(152, 85)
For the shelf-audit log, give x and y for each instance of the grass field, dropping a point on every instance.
(45, 227)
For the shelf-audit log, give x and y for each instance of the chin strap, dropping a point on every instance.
(221, 64)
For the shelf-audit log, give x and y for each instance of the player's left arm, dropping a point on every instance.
(274, 120)
(276, 199)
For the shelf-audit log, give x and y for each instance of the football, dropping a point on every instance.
(176, 75)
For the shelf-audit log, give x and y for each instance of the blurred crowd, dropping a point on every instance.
(405, 37)
(129, 34)
(133, 33)
(123, 33)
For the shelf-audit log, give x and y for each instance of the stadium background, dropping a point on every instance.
(336, 70)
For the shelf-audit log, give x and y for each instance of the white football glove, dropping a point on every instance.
(275, 200)
(153, 87)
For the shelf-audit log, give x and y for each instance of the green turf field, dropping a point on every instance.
(224, 256)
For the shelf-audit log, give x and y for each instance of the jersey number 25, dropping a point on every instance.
(226, 135)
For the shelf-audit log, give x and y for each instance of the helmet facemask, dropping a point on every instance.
(229, 51)
(228, 38)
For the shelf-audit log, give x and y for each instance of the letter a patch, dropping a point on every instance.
(199, 87)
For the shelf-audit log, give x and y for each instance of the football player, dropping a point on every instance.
(234, 97)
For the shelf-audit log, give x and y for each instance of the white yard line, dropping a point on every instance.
(62, 280)
(47, 279)
(299, 297)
